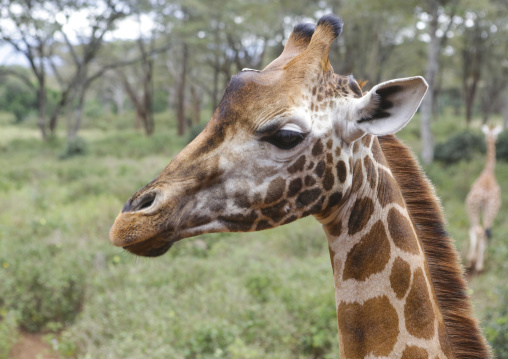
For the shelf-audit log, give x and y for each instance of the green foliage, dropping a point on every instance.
(460, 146)
(8, 335)
(502, 146)
(496, 323)
(16, 98)
(259, 295)
(46, 291)
(74, 147)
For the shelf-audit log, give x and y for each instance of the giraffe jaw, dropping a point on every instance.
(152, 247)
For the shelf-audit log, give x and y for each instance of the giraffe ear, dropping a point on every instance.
(389, 106)
(298, 41)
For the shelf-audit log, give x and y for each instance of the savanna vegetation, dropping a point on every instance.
(258, 295)
(92, 115)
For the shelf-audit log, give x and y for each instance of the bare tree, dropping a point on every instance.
(27, 26)
(434, 9)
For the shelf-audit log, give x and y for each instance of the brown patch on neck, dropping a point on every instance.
(369, 256)
(462, 330)
(371, 328)
(418, 312)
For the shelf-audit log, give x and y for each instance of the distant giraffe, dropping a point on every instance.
(294, 140)
(482, 204)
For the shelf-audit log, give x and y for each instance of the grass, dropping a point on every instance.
(258, 295)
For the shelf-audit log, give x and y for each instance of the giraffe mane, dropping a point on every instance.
(446, 272)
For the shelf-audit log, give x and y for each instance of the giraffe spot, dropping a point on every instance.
(242, 201)
(329, 158)
(307, 197)
(329, 144)
(337, 151)
(275, 190)
(320, 98)
(368, 329)
(366, 140)
(310, 166)
(388, 190)
(401, 232)
(328, 179)
(334, 199)
(320, 169)
(318, 148)
(379, 156)
(369, 256)
(370, 168)
(334, 228)
(356, 147)
(418, 310)
(290, 219)
(317, 207)
(341, 171)
(443, 341)
(239, 222)
(314, 91)
(351, 165)
(263, 224)
(297, 166)
(360, 215)
(309, 181)
(414, 352)
(276, 212)
(400, 278)
(357, 177)
(294, 187)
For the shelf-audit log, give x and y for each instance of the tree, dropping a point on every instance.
(28, 26)
(434, 9)
(101, 20)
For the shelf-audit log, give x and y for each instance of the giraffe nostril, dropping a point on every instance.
(142, 202)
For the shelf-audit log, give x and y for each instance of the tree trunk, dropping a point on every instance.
(196, 105)
(148, 96)
(180, 115)
(430, 75)
(41, 99)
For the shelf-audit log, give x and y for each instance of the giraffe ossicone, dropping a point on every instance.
(293, 140)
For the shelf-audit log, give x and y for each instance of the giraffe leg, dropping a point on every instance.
(473, 244)
(482, 244)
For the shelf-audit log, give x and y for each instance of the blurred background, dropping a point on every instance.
(96, 97)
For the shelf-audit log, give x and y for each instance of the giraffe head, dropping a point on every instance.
(278, 148)
(491, 132)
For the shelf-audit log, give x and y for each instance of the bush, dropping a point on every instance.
(46, 291)
(502, 146)
(459, 147)
(8, 332)
(74, 147)
(496, 324)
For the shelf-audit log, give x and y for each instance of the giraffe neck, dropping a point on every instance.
(386, 305)
(491, 155)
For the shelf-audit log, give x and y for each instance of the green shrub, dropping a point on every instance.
(74, 147)
(46, 290)
(502, 146)
(496, 324)
(460, 146)
(8, 331)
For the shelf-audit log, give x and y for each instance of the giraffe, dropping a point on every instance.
(293, 140)
(484, 199)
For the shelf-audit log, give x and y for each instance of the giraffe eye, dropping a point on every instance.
(285, 139)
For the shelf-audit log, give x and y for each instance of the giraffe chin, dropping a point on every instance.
(153, 247)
